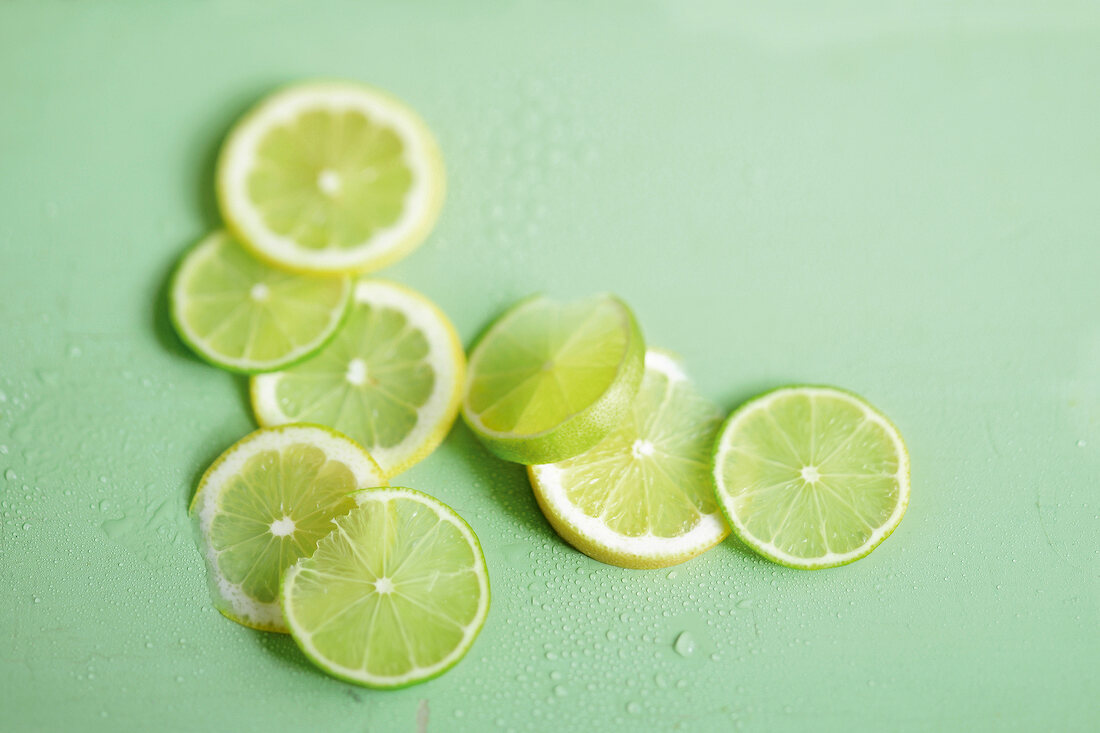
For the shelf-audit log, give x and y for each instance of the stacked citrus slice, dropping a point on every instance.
(355, 379)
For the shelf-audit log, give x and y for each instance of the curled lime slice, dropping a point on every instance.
(549, 380)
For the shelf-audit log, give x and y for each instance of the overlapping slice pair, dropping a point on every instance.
(379, 586)
(616, 438)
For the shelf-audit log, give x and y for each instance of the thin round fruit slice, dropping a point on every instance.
(549, 380)
(266, 502)
(643, 497)
(242, 315)
(391, 379)
(395, 595)
(330, 177)
(811, 477)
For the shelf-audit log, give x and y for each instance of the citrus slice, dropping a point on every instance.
(391, 379)
(395, 595)
(643, 497)
(266, 502)
(549, 380)
(330, 177)
(811, 477)
(244, 316)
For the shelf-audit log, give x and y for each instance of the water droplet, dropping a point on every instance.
(685, 644)
(10, 475)
(633, 708)
(560, 690)
(744, 603)
(1080, 444)
(26, 525)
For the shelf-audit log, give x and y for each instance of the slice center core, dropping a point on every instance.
(357, 372)
(282, 527)
(641, 448)
(329, 183)
(259, 292)
(383, 585)
(810, 474)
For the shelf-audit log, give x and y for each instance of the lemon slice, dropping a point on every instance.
(394, 596)
(266, 502)
(242, 315)
(811, 477)
(330, 177)
(643, 497)
(391, 379)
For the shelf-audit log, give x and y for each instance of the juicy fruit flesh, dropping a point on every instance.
(812, 475)
(330, 178)
(392, 590)
(547, 362)
(244, 310)
(378, 363)
(652, 474)
(274, 511)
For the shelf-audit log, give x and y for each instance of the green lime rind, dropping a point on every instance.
(178, 299)
(581, 430)
(303, 637)
(760, 547)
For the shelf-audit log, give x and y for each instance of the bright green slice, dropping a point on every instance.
(245, 316)
(549, 380)
(266, 502)
(643, 497)
(811, 477)
(391, 379)
(330, 177)
(394, 596)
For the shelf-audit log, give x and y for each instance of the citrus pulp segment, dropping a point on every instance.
(266, 502)
(643, 497)
(811, 477)
(391, 379)
(394, 596)
(330, 177)
(548, 380)
(245, 316)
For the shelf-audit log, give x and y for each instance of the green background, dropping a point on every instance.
(898, 198)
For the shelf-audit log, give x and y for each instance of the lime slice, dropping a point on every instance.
(643, 497)
(330, 177)
(391, 379)
(244, 316)
(811, 477)
(394, 596)
(266, 502)
(549, 380)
